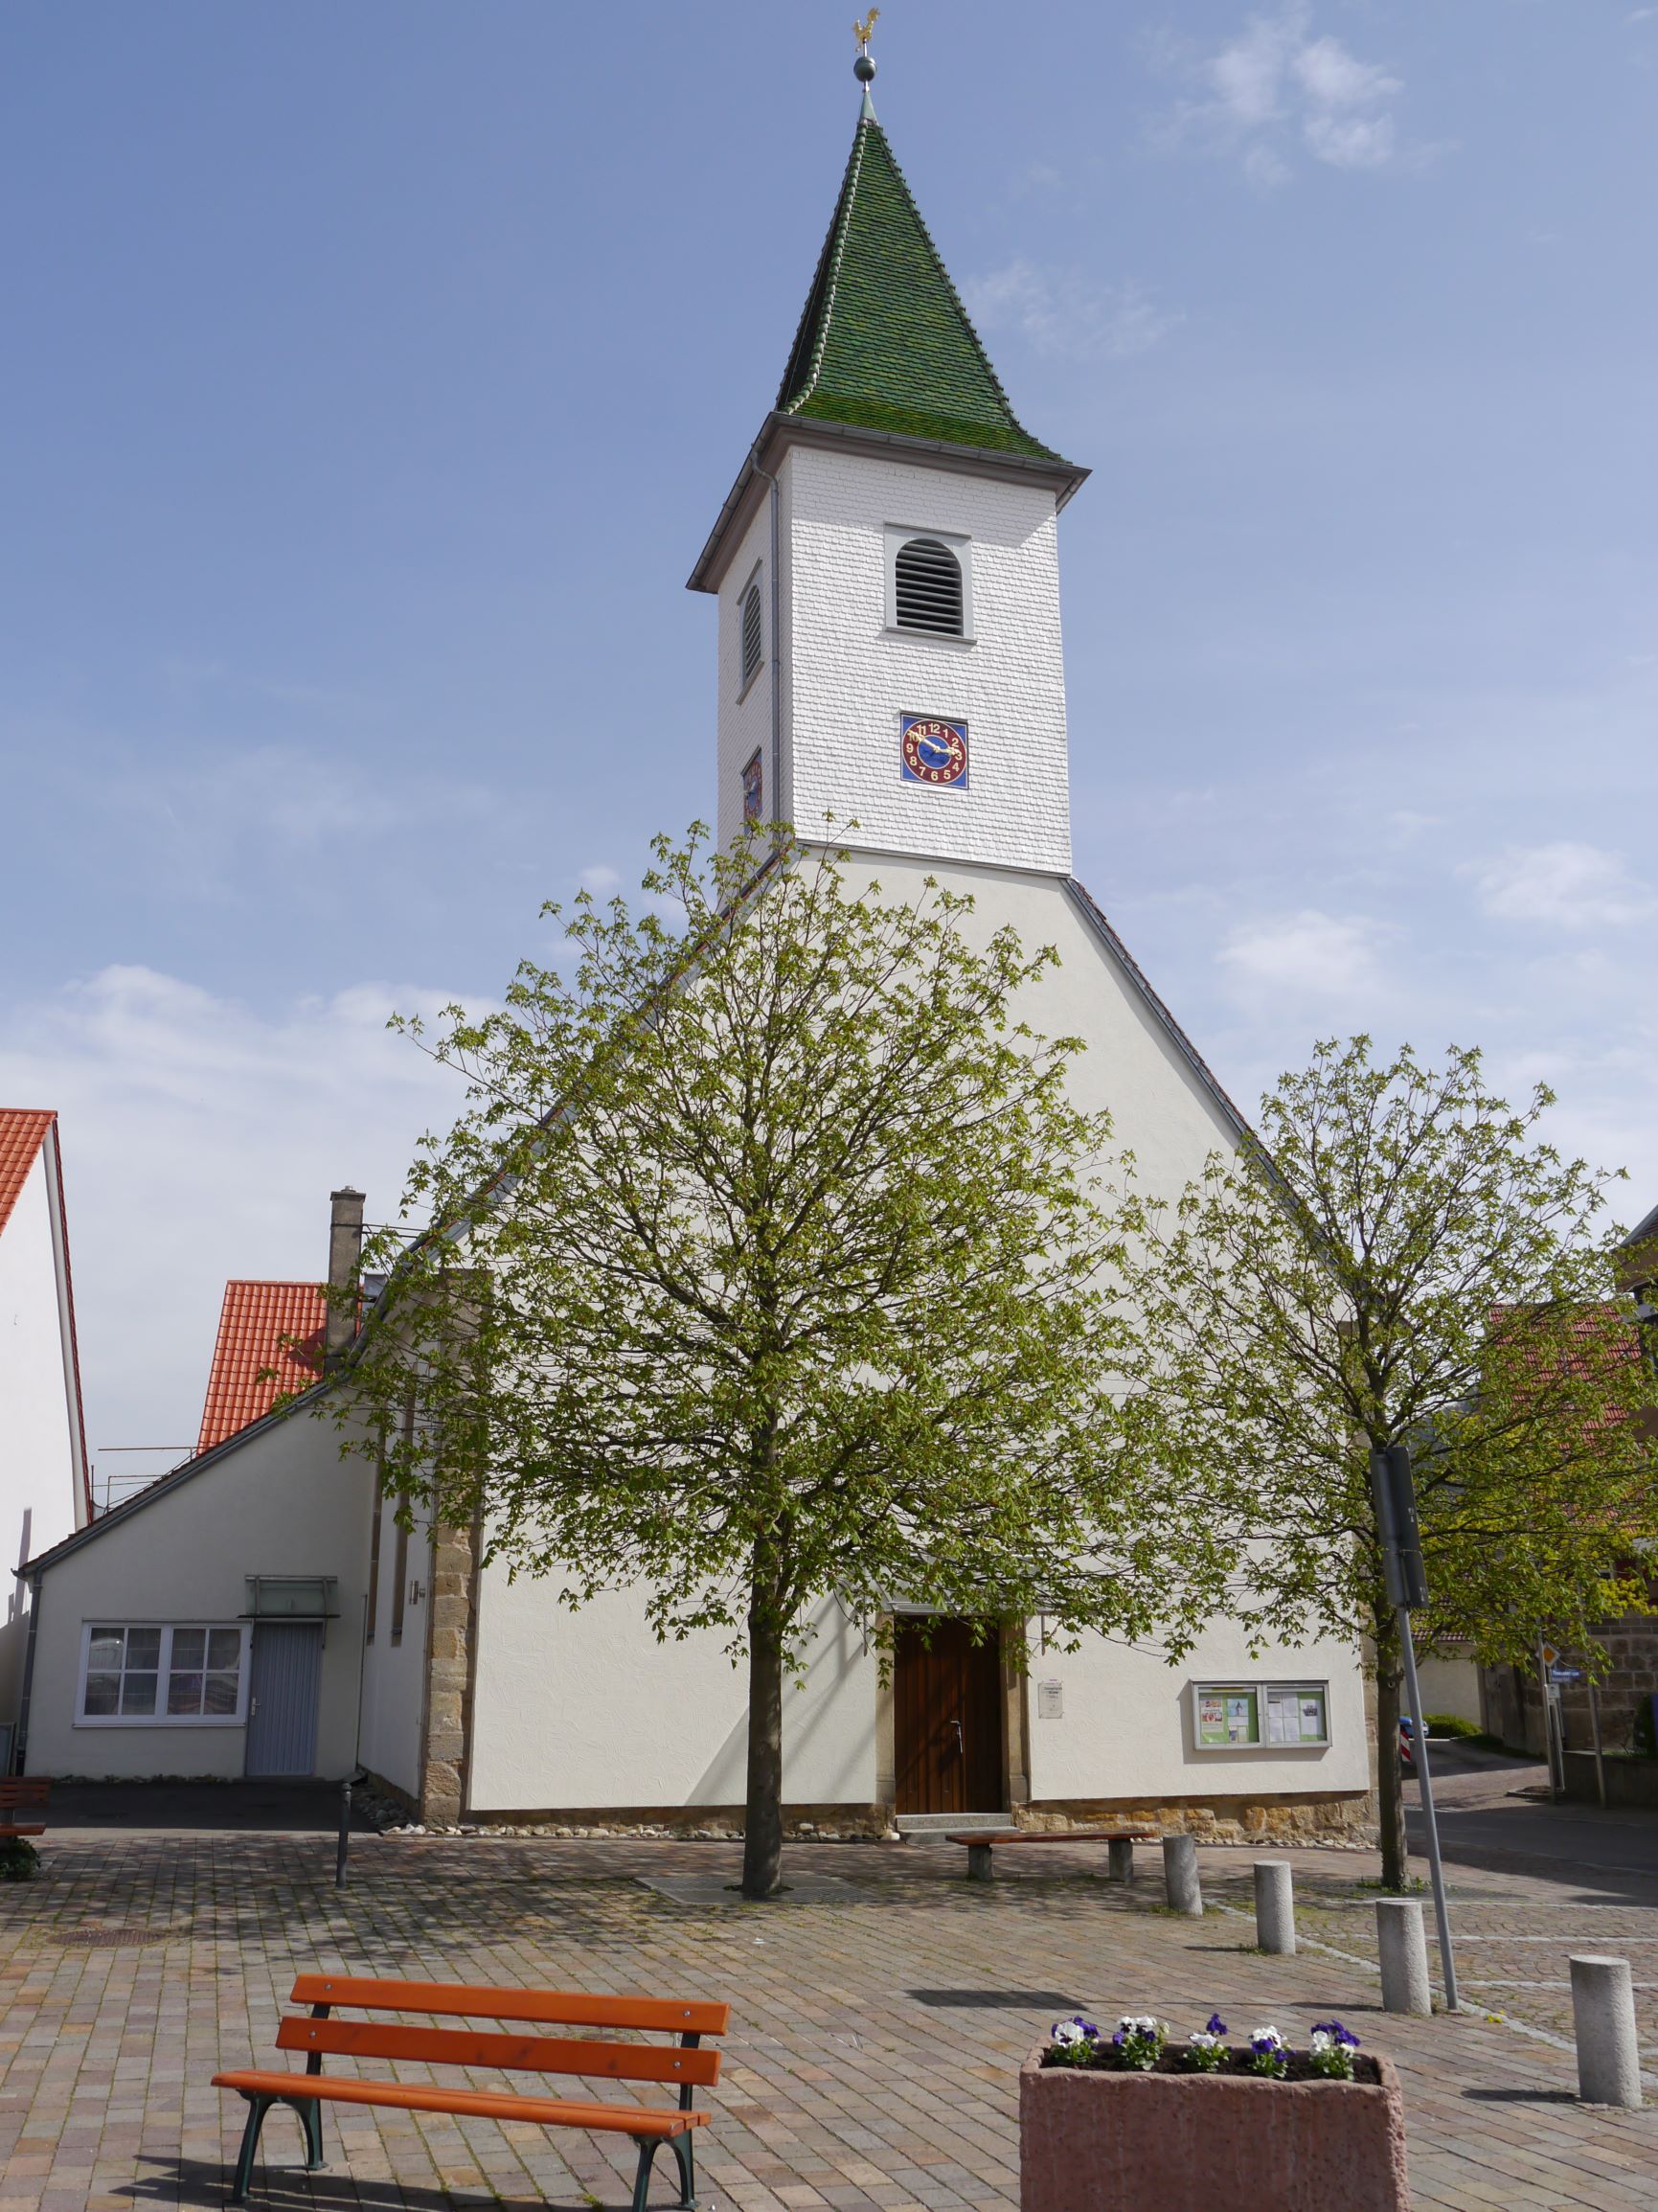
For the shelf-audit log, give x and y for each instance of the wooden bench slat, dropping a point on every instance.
(560, 2008)
(6, 1828)
(528, 2054)
(25, 1788)
(483, 2104)
(1000, 1835)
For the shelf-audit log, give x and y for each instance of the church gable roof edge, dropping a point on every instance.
(1093, 914)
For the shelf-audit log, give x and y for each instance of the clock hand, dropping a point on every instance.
(932, 745)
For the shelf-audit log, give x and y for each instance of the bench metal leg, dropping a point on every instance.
(642, 2178)
(1120, 1858)
(257, 2109)
(981, 1863)
(309, 2113)
(684, 2149)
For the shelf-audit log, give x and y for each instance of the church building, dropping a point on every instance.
(886, 569)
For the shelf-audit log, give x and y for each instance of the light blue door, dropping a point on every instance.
(284, 1691)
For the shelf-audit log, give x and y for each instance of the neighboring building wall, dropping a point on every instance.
(1451, 1685)
(1514, 1707)
(41, 1500)
(394, 1672)
(280, 1502)
(587, 1712)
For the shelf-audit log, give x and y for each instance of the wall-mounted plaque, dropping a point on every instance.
(1050, 1700)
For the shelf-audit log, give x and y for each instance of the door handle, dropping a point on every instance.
(252, 1707)
(961, 1741)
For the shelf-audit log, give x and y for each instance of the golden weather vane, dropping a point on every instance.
(863, 68)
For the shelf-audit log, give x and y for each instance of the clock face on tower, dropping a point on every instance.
(932, 751)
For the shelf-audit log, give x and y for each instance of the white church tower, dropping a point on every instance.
(887, 569)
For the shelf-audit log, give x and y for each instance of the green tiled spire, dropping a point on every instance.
(885, 342)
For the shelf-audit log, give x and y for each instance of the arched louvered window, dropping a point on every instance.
(751, 633)
(927, 587)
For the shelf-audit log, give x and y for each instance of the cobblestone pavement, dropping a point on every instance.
(876, 2038)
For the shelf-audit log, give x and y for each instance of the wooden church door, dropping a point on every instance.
(948, 1715)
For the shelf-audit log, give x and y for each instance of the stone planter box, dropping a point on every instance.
(1098, 2142)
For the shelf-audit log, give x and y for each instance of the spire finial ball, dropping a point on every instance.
(864, 69)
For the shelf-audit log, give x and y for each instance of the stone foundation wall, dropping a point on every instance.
(1338, 1819)
(698, 1823)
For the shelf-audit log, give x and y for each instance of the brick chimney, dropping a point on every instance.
(345, 1251)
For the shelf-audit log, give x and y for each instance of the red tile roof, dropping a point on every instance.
(22, 1133)
(252, 1324)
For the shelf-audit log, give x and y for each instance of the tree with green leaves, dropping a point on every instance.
(766, 1268)
(1401, 1259)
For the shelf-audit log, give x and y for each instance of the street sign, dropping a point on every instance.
(1565, 1674)
(1547, 1653)
(1393, 1494)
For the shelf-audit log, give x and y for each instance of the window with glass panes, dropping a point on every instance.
(144, 1673)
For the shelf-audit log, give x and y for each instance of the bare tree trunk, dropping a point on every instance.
(1389, 1782)
(762, 1829)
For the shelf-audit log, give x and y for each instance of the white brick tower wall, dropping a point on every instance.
(847, 676)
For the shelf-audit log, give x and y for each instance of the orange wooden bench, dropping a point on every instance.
(982, 1842)
(21, 1792)
(682, 2062)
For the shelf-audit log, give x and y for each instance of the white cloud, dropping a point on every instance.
(1352, 141)
(1306, 956)
(1065, 313)
(201, 1138)
(1276, 86)
(1573, 886)
(1332, 78)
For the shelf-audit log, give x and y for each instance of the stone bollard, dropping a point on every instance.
(1275, 1905)
(1120, 1858)
(1403, 1944)
(1180, 1874)
(1604, 2016)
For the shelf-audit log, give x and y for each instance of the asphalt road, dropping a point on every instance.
(1483, 1822)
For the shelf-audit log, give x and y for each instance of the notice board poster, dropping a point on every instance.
(1227, 1714)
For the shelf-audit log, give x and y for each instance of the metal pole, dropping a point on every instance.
(1600, 1754)
(1548, 1719)
(1435, 1869)
(343, 1849)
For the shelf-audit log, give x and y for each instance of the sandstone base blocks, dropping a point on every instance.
(1132, 2142)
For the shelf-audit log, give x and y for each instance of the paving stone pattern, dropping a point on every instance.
(876, 2038)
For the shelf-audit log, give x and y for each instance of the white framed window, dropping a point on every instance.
(751, 633)
(929, 583)
(1241, 1715)
(161, 1674)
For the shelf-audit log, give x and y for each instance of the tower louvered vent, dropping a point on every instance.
(751, 634)
(927, 578)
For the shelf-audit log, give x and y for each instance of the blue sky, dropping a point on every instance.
(374, 373)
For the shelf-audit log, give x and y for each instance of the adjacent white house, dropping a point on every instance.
(886, 569)
(45, 1484)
